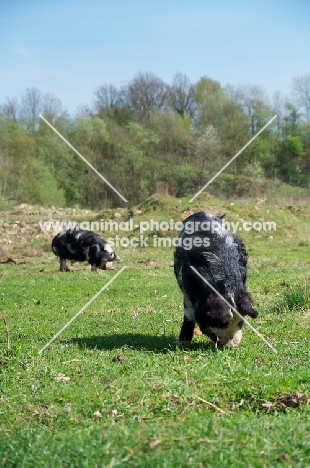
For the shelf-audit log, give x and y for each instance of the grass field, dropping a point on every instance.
(113, 389)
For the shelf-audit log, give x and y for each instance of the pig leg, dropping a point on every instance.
(187, 329)
(63, 265)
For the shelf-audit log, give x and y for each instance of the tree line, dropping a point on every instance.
(148, 136)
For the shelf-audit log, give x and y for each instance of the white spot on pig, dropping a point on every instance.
(229, 241)
(229, 337)
(108, 249)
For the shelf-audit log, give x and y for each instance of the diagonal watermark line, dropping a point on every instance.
(82, 310)
(235, 310)
(233, 158)
(84, 159)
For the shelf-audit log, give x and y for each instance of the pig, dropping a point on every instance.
(220, 257)
(81, 245)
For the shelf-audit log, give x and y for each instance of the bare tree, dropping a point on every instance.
(145, 93)
(182, 95)
(208, 154)
(253, 101)
(51, 107)
(278, 107)
(107, 96)
(10, 108)
(301, 93)
(30, 109)
(84, 111)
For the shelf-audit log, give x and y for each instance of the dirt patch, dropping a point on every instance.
(286, 400)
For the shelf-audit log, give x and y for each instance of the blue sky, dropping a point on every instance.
(70, 48)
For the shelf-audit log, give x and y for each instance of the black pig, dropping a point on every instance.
(81, 245)
(220, 257)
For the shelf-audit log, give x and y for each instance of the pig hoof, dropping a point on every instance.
(183, 344)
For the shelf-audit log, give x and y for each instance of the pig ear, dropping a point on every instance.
(245, 305)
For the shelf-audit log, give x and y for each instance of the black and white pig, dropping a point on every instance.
(81, 245)
(220, 257)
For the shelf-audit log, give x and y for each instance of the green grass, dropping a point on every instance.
(159, 406)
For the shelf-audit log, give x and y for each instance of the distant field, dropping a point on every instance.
(113, 390)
